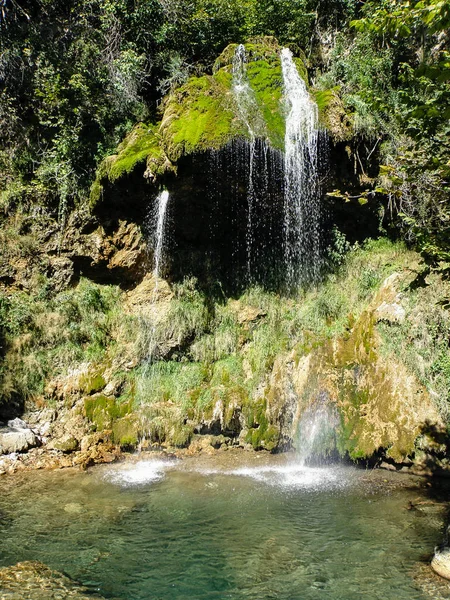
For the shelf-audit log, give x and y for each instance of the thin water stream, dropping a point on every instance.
(259, 527)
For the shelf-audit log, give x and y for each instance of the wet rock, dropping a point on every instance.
(441, 563)
(35, 581)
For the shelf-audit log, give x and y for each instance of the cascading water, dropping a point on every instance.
(159, 232)
(249, 114)
(316, 432)
(149, 327)
(158, 218)
(301, 219)
(227, 192)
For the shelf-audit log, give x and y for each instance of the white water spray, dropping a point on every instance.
(161, 210)
(316, 432)
(301, 221)
(159, 229)
(250, 115)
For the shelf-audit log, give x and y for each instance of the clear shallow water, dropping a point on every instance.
(217, 528)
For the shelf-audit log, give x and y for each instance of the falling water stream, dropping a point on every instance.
(158, 228)
(301, 217)
(159, 231)
(249, 113)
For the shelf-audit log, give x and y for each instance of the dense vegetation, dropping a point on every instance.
(76, 77)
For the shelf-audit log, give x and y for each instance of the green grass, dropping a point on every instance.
(45, 336)
(208, 355)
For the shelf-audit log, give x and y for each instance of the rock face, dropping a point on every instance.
(113, 251)
(17, 437)
(35, 581)
(382, 408)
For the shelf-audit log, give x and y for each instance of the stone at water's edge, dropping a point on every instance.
(17, 437)
(35, 581)
(441, 563)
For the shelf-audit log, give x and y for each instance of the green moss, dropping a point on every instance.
(180, 435)
(92, 382)
(261, 433)
(265, 79)
(102, 411)
(140, 146)
(125, 432)
(199, 116)
(140, 143)
(202, 115)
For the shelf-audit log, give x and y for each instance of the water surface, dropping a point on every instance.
(215, 528)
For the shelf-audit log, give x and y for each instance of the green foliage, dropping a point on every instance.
(77, 76)
(45, 336)
(421, 341)
(415, 173)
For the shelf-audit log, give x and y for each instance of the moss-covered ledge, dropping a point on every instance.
(140, 147)
(203, 115)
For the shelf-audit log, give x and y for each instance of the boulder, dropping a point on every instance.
(17, 437)
(441, 563)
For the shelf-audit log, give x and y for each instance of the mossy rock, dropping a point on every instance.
(66, 444)
(382, 407)
(333, 117)
(125, 432)
(140, 146)
(262, 434)
(202, 115)
(199, 116)
(92, 382)
(102, 411)
(258, 48)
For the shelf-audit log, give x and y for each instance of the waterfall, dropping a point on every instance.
(160, 221)
(250, 115)
(247, 106)
(316, 431)
(227, 192)
(158, 225)
(301, 190)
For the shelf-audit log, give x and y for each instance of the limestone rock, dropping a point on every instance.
(16, 437)
(67, 443)
(246, 313)
(390, 312)
(441, 563)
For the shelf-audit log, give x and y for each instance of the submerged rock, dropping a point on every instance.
(35, 581)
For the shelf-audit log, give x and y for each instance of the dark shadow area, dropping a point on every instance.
(225, 219)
